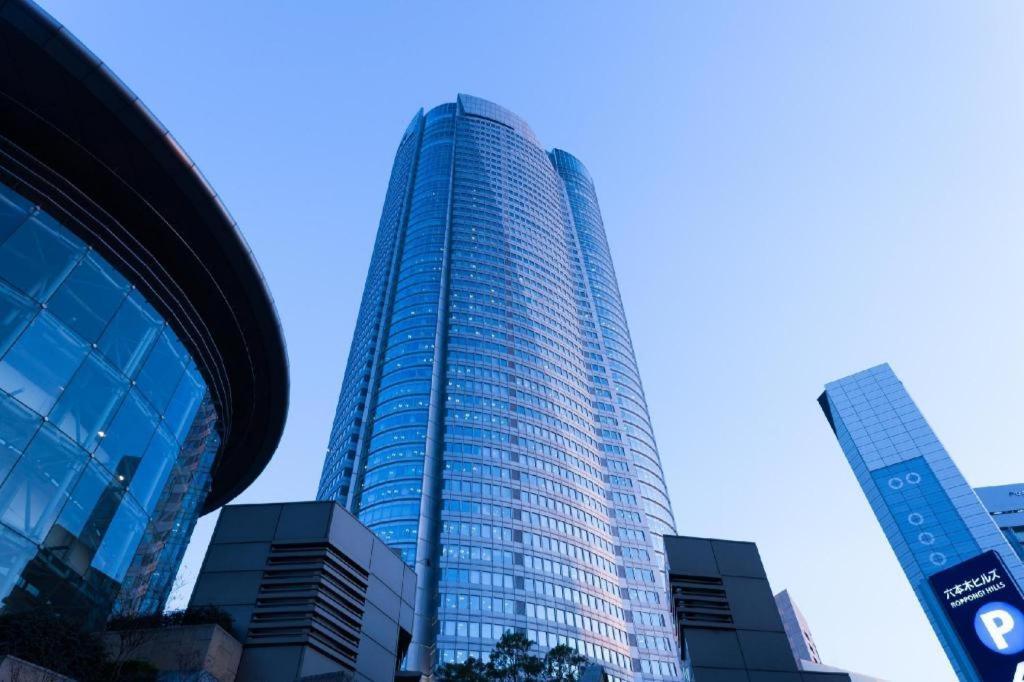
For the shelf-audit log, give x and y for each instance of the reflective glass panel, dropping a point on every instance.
(182, 408)
(128, 436)
(38, 256)
(86, 517)
(16, 312)
(38, 486)
(163, 368)
(87, 405)
(41, 363)
(129, 335)
(15, 552)
(13, 212)
(17, 426)
(119, 543)
(88, 297)
(156, 465)
(73, 335)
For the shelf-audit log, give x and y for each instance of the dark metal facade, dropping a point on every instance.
(728, 624)
(311, 592)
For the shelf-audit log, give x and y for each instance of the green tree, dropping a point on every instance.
(53, 641)
(563, 664)
(511, 660)
(472, 670)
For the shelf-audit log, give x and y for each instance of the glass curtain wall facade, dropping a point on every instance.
(143, 373)
(930, 515)
(98, 407)
(1006, 505)
(492, 425)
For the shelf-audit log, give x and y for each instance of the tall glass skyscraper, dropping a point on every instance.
(492, 426)
(954, 555)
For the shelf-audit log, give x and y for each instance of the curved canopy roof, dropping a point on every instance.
(76, 140)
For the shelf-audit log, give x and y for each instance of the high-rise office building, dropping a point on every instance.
(960, 565)
(143, 378)
(797, 630)
(801, 641)
(728, 623)
(1006, 504)
(492, 425)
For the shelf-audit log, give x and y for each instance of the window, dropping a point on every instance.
(88, 298)
(15, 552)
(163, 369)
(14, 210)
(87, 514)
(129, 335)
(17, 426)
(41, 363)
(119, 543)
(38, 486)
(153, 470)
(16, 312)
(87, 405)
(38, 256)
(127, 436)
(184, 403)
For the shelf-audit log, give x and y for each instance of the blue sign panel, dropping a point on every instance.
(931, 526)
(986, 610)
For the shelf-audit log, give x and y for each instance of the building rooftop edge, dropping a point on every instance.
(875, 369)
(708, 539)
(242, 459)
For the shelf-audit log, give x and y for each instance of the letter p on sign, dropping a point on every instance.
(1000, 627)
(999, 623)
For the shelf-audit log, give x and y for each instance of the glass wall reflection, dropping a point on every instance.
(98, 417)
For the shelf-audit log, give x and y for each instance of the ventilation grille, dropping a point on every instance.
(700, 601)
(310, 595)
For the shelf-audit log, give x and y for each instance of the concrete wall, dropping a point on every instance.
(188, 648)
(13, 669)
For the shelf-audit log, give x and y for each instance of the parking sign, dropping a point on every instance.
(985, 607)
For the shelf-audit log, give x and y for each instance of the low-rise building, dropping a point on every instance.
(728, 625)
(311, 591)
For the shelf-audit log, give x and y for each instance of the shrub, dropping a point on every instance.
(57, 643)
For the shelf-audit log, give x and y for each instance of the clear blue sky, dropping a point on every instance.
(793, 191)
